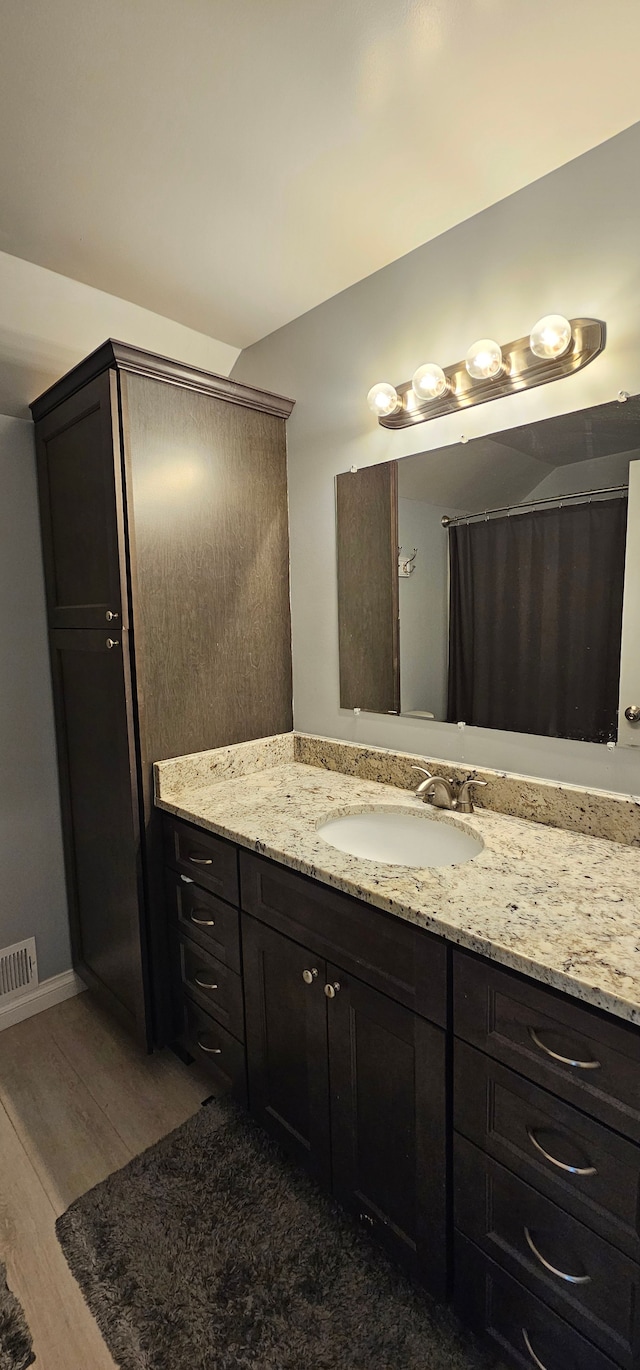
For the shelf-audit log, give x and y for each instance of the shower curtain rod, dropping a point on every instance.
(531, 503)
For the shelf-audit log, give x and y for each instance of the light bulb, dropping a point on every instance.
(429, 382)
(383, 399)
(484, 360)
(551, 336)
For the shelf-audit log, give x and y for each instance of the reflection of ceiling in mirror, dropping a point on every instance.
(508, 467)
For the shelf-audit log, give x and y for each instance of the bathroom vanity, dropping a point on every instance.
(453, 1052)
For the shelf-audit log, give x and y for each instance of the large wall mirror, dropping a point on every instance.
(496, 582)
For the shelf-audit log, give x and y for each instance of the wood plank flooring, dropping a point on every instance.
(77, 1100)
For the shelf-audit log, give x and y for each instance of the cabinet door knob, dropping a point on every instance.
(632, 713)
(110, 615)
(111, 642)
(309, 976)
(332, 990)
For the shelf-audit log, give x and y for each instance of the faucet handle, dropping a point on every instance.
(422, 771)
(465, 804)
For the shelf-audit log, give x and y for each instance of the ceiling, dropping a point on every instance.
(232, 163)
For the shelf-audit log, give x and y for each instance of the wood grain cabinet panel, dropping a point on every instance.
(581, 1055)
(81, 511)
(204, 918)
(583, 1278)
(221, 1054)
(521, 1330)
(287, 1044)
(388, 1124)
(402, 961)
(202, 857)
(588, 1170)
(213, 985)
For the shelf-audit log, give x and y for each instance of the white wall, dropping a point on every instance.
(48, 323)
(569, 244)
(31, 867)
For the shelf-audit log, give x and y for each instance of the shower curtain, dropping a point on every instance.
(535, 620)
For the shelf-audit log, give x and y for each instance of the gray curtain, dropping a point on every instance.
(535, 621)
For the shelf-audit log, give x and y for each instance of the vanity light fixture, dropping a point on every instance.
(555, 347)
(383, 399)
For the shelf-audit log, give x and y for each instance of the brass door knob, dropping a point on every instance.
(632, 713)
(310, 975)
(332, 990)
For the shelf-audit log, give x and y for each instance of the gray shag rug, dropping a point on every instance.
(16, 1347)
(210, 1251)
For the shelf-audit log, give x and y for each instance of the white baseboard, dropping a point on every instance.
(50, 992)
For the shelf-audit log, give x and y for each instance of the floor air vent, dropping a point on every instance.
(18, 970)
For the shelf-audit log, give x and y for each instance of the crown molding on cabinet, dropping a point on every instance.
(123, 357)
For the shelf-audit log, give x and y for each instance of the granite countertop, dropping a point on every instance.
(561, 907)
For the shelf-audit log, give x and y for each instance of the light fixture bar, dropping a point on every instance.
(523, 371)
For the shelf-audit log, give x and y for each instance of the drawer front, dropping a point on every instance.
(214, 925)
(587, 1170)
(207, 859)
(213, 985)
(585, 1279)
(521, 1329)
(215, 1049)
(584, 1058)
(402, 961)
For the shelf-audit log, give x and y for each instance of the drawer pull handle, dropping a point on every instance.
(536, 1359)
(202, 922)
(564, 1060)
(200, 860)
(572, 1169)
(571, 1279)
(211, 1051)
(187, 879)
(203, 984)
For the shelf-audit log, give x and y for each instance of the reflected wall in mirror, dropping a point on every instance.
(512, 616)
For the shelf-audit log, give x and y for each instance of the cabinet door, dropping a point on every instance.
(81, 509)
(100, 817)
(286, 1034)
(387, 1072)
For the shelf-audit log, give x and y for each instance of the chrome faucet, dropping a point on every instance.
(446, 794)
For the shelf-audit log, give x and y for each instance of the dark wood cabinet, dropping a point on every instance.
(287, 1044)
(164, 523)
(352, 1084)
(388, 1111)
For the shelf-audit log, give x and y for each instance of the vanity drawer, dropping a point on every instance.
(511, 1222)
(519, 1327)
(215, 1048)
(213, 985)
(516, 1123)
(393, 956)
(214, 925)
(208, 859)
(530, 1028)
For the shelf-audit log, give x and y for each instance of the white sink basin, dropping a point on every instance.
(401, 838)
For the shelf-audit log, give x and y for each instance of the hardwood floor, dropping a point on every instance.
(78, 1099)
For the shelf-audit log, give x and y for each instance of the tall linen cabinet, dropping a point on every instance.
(163, 501)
